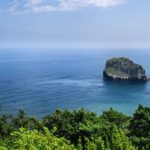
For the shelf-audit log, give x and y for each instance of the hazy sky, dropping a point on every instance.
(75, 23)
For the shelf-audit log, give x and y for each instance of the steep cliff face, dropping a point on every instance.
(123, 69)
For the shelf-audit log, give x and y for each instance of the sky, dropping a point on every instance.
(75, 23)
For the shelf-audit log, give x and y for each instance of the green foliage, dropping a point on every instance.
(95, 144)
(116, 72)
(141, 143)
(5, 127)
(118, 140)
(140, 123)
(119, 119)
(72, 125)
(140, 128)
(24, 139)
(22, 120)
(115, 139)
(79, 129)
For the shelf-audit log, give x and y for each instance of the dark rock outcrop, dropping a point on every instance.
(123, 69)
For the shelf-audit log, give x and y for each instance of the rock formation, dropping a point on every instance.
(123, 69)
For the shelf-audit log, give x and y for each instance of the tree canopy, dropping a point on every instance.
(77, 130)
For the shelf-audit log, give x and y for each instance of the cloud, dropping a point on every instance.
(35, 1)
(58, 5)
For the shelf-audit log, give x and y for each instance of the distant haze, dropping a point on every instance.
(74, 24)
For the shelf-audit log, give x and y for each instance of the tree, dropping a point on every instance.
(140, 123)
(71, 124)
(85, 130)
(23, 121)
(5, 126)
(140, 128)
(118, 140)
(117, 118)
(33, 140)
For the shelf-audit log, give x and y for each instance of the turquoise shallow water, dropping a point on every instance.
(40, 82)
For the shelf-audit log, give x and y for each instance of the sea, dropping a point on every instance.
(39, 81)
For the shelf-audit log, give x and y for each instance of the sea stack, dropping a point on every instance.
(124, 69)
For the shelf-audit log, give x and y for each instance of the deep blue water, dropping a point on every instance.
(40, 82)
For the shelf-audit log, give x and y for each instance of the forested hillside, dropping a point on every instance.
(77, 130)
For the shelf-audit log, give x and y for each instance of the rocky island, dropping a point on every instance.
(123, 69)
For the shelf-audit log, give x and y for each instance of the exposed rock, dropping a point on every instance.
(123, 69)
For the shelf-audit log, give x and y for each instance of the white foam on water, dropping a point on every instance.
(78, 82)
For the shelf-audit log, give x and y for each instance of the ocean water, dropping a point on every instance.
(40, 82)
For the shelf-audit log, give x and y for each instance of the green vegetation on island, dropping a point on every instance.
(77, 130)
